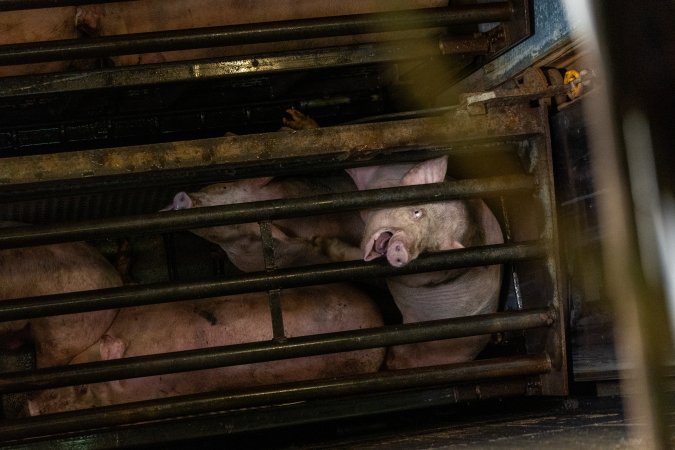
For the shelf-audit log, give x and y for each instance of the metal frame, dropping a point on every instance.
(542, 371)
(26, 53)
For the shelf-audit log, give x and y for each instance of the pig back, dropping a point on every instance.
(161, 15)
(57, 269)
(222, 321)
(36, 25)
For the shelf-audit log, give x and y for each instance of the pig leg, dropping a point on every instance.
(336, 249)
(435, 352)
(298, 120)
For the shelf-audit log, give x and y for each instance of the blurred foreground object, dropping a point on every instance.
(632, 142)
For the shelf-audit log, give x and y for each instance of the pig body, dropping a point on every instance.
(220, 321)
(294, 238)
(36, 25)
(56, 269)
(161, 15)
(400, 234)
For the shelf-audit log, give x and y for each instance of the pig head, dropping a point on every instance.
(401, 234)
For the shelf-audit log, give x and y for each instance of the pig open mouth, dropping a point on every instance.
(382, 241)
(391, 244)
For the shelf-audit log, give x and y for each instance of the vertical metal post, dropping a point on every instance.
(556, 382)
(270, 266)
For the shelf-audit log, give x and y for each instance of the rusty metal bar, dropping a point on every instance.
(263, 210)
(346, 146)
(274, 295)
(465, 45)
(256, 419)
(273, 350)
(182, 71)
(253, 33)
(291, 392)
(260, 281)
(14, 5)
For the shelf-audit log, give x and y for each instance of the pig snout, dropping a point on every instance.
(391, 243)
(180, 201)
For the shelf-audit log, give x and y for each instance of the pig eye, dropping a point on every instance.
(418, 213)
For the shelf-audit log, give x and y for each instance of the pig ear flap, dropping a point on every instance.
(432, 171)
(180, 201)
(111, 347)
(456, 245)
(33, 408)
(362, 176)
(88, 19)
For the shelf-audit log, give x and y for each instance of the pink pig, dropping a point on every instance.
(402, 233)
(56, 269)
(146, 330)
(294, 238)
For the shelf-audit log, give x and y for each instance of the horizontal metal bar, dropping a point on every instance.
(256, 419)
(15, 5)
(273, 350)
(253, 33)
(173, 72)
(263, 210)
(344, 146)
(261, 281)
(291, 392)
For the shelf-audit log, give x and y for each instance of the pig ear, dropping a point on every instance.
(88, 19)
(432, 171)
(362, 176)
(180, 201)
(111, 347)
(33, 408)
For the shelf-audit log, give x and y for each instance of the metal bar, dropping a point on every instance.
(183, 71)
(253, 33)
(284, 393)
(277, 315)
(465, 45)
(270, 266)
(15, 5)
(267, 245)
(344, 146)
(263, 210)
(256, 419)
(273, 350)
(260, 281)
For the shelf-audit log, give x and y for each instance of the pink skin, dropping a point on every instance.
(294, 238)
(403, 233)
(55, 269)
(161, 15)
(146, 330)
(33, 26)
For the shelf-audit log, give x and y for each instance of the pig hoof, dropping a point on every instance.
(298, 120)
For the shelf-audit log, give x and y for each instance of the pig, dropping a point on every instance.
(161, 15)
(401, 234)
(146, 330)
(36, 26)
(294, 238)
(56, 269)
